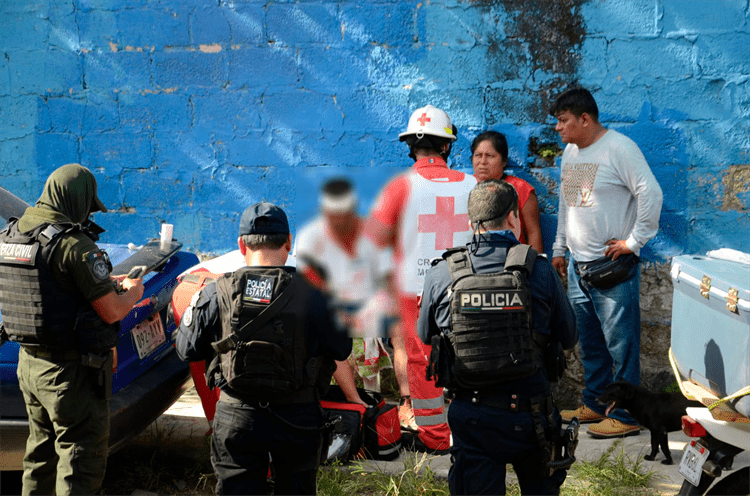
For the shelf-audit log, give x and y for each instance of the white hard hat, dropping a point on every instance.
(429, 120)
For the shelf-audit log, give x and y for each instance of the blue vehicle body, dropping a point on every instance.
(143, 388)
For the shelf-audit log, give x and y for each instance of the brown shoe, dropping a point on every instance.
(610, 427)
(406, 415)
(585, 415)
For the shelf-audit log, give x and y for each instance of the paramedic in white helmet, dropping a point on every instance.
(420, 214)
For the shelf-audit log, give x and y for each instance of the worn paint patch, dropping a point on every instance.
(736, 182)
(540, 39)
(553, 31)
(213, 48)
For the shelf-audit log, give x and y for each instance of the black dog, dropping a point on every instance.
(658, 412)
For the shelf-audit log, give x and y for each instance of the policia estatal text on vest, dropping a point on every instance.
(59, 302)
(491, 310)
(270, 343)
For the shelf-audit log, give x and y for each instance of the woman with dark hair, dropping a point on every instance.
(489, 156)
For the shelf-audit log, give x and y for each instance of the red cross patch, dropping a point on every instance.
(443, 222)
(422, 120)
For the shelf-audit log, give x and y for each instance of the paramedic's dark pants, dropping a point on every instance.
(245, 435)
(485, 439)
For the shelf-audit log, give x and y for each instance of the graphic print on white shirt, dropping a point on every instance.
(578, 183)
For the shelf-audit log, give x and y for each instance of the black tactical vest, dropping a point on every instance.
(491, 331)
(263, 350)
(34, 308)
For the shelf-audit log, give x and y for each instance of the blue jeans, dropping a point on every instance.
(609, 332)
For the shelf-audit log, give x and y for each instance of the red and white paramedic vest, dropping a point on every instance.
(434, 218)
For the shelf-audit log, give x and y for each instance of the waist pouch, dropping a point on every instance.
(605, 273)
(372, 432)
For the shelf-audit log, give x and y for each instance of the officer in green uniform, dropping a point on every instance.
(59, 302)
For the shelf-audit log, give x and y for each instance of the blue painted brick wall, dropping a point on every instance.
(188, 111)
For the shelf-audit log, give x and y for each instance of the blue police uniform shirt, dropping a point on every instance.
(551, 312)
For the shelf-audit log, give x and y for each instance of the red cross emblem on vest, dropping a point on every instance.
(424, 119)
(443, 222)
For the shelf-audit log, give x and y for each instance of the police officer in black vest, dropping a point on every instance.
(491, 311)
(270, 342)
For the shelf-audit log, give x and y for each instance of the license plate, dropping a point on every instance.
(148, 336)
(691, 465)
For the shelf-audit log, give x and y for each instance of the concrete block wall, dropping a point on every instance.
(190, 110)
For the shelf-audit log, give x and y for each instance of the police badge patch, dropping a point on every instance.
(187, 317)
(99, 264)
(481, 301)
(259, 289)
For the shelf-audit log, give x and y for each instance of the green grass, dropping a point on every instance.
(158, 467)
(615, 473)
(417, 478)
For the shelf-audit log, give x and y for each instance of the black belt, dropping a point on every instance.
(53, 355)
(304, 396)
(510, 402)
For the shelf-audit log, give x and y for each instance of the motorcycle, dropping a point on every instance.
(710, 357)
(712, 452)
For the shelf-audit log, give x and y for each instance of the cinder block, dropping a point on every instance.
(364, 24)
(300, 24)
(86, 113)
(303, 110)
(333, 70)
(460, 69)
(256, 69)
(159, 192)
(167, 111)
(111, 153)
(129, 227)
(273, 147)
(100, 29)
(505, 63)
(190, 69)
(157, 27)
(367, 110)
(226, 113)
(246, 21)
(52, 72)
(232, 189)
(702, 16)
(24, 6)
(23, 31)
(388, 152)
(119, 72)
(710, 145)
(460, 17)
(592, 66)
(18, 116)
(209, 26)
(724, 56)
(703, 98)
(53, 150)
(516, 106)
(190, 151)
(15, 176)
(640, 62)
(621, 18)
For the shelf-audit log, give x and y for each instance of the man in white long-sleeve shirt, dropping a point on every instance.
(610, 204)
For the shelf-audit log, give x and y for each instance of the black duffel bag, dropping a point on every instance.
(605, 273)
